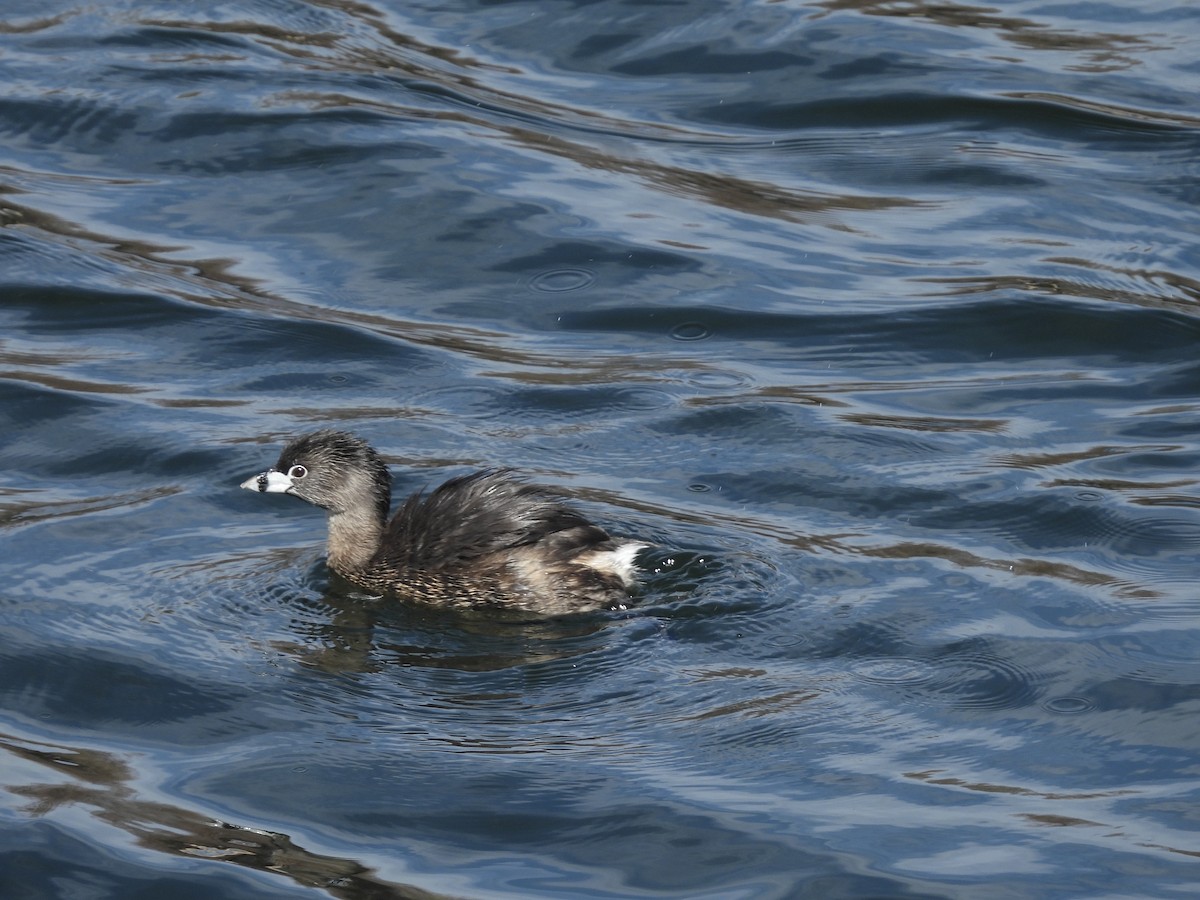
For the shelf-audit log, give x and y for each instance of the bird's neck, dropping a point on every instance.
(356, 528)
(354, 537)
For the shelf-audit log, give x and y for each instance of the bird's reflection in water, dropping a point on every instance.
(353, 634)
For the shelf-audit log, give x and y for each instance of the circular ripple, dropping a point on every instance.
(895, 670)
(465, 401)
(1068, 705)
(691, 331)
(1131, 533)
(717, 379)
(558, 281)
(639, 398)
(980, 682)
(1164, 658)
(985, 682)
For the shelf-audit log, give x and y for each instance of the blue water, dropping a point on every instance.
(879, 320)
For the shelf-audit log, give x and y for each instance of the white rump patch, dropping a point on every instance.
(620, 561)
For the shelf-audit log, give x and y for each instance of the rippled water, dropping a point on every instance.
(880, 320)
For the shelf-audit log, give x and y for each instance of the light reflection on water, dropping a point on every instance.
(876, 320)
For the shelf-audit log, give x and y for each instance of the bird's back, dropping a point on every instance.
(490, 539)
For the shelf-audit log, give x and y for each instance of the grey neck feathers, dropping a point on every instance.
(356, 527)
(353, 538)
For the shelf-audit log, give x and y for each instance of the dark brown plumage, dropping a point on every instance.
(486, 539)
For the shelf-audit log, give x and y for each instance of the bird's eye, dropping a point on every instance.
(297, 472)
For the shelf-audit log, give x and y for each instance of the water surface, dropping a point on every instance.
(879, 320)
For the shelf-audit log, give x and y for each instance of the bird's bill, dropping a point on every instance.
(269, 482)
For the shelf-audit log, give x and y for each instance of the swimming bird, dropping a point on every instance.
(485, 539)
